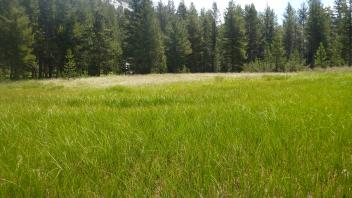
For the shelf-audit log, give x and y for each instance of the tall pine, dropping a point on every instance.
(233, 40)
(290, 31)
(252, 25)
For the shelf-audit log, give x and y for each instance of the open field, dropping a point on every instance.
(229, 135)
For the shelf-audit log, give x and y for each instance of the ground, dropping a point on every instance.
(195, 135)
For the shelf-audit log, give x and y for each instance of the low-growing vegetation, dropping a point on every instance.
(258, 136)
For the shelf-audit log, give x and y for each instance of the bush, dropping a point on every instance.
(294, 63)
(259, 66)
(70, 66)
(321, 59)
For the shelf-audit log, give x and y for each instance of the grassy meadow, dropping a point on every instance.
(254, 136)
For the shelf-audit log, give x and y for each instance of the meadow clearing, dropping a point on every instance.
(190, 135)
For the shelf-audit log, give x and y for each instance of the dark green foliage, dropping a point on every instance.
(16, 40)
(145, 47)
(269, 26)
(301, 34)
(178, 47)
(278, 53)
(215, 59)
(70, 65)
(318, 29)
(207, 45)
(290, 31)
(344, 29)
(194, 61)
(35, 36)
(321, 59)
(252, 32)
(182, 10)
(294, 63)
(233, 39)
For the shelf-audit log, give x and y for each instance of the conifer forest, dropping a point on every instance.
(58, 38)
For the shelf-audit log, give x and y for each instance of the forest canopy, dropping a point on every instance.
(70, 38)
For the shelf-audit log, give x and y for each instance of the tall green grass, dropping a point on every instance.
(261, 137)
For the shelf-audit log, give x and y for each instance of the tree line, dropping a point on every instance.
(68, 38)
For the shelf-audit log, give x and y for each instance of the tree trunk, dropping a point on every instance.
(11, 73)
(350, 35)
(40, 70)
(50, 71)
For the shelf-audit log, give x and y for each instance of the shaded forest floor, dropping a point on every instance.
(188, 135)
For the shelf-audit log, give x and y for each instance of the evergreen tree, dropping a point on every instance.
(252, 32)
(99, 42)
(147, 50)
(278, 52)
(302, 21)
(70, 65)
(182, 10)
(317, 29)
(321, 58)
(215, 38)
(269, 22)
(233, 39)
(82, 41)
(207, 45)
(290, 31)
(349, 21)
(45, 46)
(16, 41)
(162, 15)
(195, 38)
(344, 28)
(63, 34)
(178, 47)
(113, 33)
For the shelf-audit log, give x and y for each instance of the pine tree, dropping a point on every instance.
(159, 62)
(82, 40)
(321, 59)
(215, 60)
(113, 57)
(252, 32)
(207, 48)
(16, 41)
(178, 47)
(46, 45)
(278, 52)
(290, 31)
(317, 29)
(182, 10)
(269, 24)
(146, 45)
(294, 64)
(70, 65)
(302, 22)
(349, 21)
(195, 38)
(344, 28)
(233, 43)
(98, 42)
(63, 33)
(162, 15)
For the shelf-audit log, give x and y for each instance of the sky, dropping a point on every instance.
(278, 5)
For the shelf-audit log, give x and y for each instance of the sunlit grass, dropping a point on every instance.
(265, 136)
